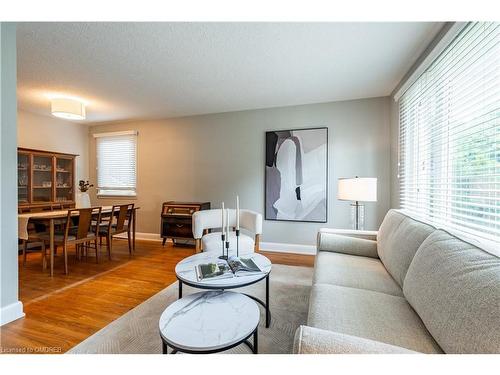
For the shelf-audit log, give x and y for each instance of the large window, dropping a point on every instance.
(116, 163)
(449, 162)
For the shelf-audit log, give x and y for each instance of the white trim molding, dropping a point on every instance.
(141, 236)
(265, 246)
(11, 312)
(288, 248)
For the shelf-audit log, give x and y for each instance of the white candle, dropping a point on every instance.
(227, 223)
(237, 212)
(222, 218)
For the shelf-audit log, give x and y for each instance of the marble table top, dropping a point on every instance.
(209, 320)
(185, 271)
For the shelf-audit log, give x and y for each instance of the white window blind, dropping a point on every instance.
(116, 163)
(449, 142)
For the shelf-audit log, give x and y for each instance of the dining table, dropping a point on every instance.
(52, 217)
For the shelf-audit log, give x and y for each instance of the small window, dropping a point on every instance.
(116, 163)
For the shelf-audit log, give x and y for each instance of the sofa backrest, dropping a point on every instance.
(398, 239)
(455, 289)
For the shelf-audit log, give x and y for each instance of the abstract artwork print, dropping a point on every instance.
(297, 175)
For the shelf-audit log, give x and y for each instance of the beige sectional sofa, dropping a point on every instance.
(404, 289)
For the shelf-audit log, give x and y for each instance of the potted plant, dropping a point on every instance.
(83, 198)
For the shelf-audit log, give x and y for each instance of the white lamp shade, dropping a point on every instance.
(70, 109)
(363, 189)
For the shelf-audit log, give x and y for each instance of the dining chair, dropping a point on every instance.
(35, 242)
(118, 221)
(80, 233)
(34, 232)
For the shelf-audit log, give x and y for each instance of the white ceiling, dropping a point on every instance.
(158, 70)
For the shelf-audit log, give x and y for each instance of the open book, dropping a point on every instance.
(233, 267)
(243, 266)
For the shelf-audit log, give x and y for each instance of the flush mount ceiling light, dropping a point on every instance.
(70, 109)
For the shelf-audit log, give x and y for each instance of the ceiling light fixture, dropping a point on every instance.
(69, 109)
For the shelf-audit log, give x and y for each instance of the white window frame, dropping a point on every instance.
(109, 191)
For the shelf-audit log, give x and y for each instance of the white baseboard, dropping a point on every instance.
(266, 246)
(141, 236)
(288, 248)
(11, 312)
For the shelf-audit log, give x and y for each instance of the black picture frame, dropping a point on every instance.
(269, 149)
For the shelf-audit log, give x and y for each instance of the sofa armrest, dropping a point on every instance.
(310, 340)
(339, 243)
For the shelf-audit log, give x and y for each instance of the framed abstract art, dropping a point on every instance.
(296, 176)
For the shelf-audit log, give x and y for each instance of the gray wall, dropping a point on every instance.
(53, 134)
(10, 307)
(214, 157)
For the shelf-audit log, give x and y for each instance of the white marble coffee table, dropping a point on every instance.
(186, 274)
(209, 322)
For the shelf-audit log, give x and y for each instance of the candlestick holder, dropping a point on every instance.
(223, 237)
(237, 242)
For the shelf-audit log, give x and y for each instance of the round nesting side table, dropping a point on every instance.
(185, 272)
(210, 322)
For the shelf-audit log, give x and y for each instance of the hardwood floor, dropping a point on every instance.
(64, 310)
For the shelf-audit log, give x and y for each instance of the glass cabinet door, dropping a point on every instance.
(23, 175)
(42, 178)
(64, 179)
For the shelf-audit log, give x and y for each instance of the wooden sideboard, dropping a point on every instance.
(176, 219)
(45, 179)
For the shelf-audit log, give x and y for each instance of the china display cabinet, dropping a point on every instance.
(45, 179)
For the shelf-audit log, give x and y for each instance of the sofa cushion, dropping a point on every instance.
(398, 239)
(355, 272)
(310, 340)
(368, 314)
(455, 288)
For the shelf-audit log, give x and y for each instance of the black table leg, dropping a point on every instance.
(165, 347)
(256, 341)
(268, 315)
(180, 289)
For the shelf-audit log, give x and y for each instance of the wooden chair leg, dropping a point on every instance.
(65, 251)
(25, 247)
(96, 251)
(51, 262)
(257, 243)
(129, 243)
(108, 241)
(44, 257)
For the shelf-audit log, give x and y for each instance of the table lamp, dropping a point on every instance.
(358, 189)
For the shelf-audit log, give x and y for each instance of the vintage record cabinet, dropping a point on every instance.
(176, 220)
